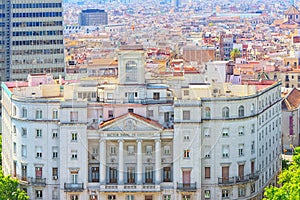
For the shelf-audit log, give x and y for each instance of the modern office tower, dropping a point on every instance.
(176, 3)
(135, 137)
(31, 38)
(93, 17)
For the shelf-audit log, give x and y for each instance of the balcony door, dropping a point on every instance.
(241, 171)
(186, 177)
(131, 175)
(225, 173)
(112, 175)
(38, 172)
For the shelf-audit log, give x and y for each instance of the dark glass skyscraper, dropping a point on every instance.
(31, 38)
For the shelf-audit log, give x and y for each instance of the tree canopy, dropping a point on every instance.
(290, 181)
(235, 53)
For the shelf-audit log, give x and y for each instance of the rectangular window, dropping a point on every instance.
(186, 138)
(241, 191)
(167, 150)
(24, 132)
(111, 197)
(149, 150)
(110, 114)
(241, 130)
(15, 148)
(241, 149)
(186, 115)
(225, 132)
(156, 95)
(186, 153)
(225, 193)
(148, 197)
(150, 113)
(252, 147)
(186, 92)
(38, 172)
(24, 151)
(14, 129)
(207, 150)
(38, 133)
(39, 194)
(73, 155)
(206, 132)
(167, 197)
(207, 194)
(24, 113)
(186, 197)
(54, 152)
(74, 197)
(110, 96)
(225, 149)
(207, 172)
(95, 174)
(167, 174)
(149, 174)
(130, 197)
(54, 173)
(55, 114)
(73, 116)
(113, 150)
(38, 114)
(74, 136)
(130, 150)
(54, 134)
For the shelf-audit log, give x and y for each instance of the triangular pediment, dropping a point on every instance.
(130, 122)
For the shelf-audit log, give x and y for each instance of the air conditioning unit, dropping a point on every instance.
(54, 177)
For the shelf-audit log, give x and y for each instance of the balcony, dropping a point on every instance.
(38, 181)
(130, 188)
(73, 187)
(22, 179)
(226, 181)
(190, 187)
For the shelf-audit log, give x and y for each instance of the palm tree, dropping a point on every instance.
(235, 53)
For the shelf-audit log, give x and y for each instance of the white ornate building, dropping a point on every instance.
(140, 139)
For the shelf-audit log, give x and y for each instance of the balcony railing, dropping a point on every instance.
(137, 101)
(226, 181)
(130, 188)
(73, 187)
(238, 179)
(187, 186)
(38, 181)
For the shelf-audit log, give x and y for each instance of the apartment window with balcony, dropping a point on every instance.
(186, 153)
(38, 172)
(38, 133)
(38, 114)
(225, 194)
(39, 194)
(74, 116)
(225, 149)
(149, 150)
(113, 175)
(95, 174)
(149, 174)
(24, 151)
(55, 114)
(111, 197)
(186, 115)
(130, 175)
(167, 174)
(74, 155)
(130, 150)
(167, 197)
(24, 132)
(241, 111)
(24, 113)
(74, 137)
(156, 95)
(130, 197)
(207, 194)
(241, 149)
(207, 172)
(225, 112)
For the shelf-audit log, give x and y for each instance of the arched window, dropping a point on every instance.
(241, 111)
(225, 112)
(252, 108)
(207, 112)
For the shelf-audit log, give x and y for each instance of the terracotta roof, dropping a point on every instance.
(139, 117)
(292, 11)
(292, 101)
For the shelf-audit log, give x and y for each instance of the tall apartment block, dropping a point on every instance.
(133, 137)
(93, 17)
(31, 38)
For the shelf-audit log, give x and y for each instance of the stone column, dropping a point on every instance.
(139, 162)
(121, 163)
(157, 162)
(102, 161)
